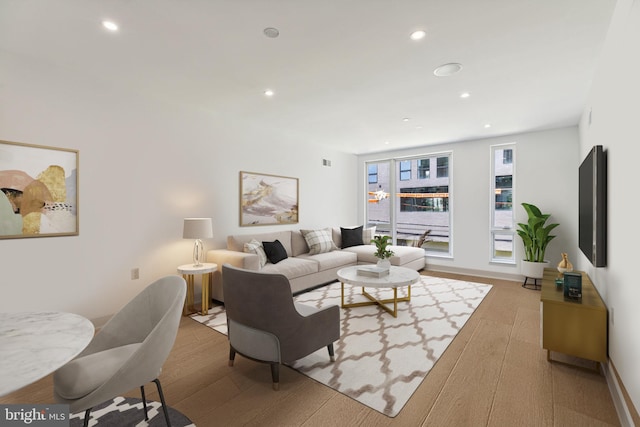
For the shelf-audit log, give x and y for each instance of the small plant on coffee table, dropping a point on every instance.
(382, 242)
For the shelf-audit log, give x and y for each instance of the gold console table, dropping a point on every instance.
(575, 328)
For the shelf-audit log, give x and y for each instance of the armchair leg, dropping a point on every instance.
(232, 355)
(331, 355)
(164, 404)
(87, 415)
(275, 375)
(144, 403)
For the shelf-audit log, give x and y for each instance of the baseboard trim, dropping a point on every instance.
(618, 395)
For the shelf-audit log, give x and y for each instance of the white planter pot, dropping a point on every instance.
(533, 270)
(384, 263)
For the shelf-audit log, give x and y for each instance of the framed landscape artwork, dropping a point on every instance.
(268, 199)
(38, 191)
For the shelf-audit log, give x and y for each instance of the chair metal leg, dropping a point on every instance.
(144, 403)
(331, 355)
(232, 355)
(275, 375)
(164, 404)
(87, 414)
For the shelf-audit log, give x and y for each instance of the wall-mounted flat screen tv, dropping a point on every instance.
(592, 206)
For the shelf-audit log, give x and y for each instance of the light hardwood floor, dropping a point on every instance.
(494, 373)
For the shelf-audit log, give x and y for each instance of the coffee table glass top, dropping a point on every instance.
(397, 277)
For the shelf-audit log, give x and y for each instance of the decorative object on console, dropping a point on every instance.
(535, 237)
(198, 229)
(573, 286)
(382, 253)
(38, 191)
(268, 199)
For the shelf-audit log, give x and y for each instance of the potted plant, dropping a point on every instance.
(382, 252)
(535, 237)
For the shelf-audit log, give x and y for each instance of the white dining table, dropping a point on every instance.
(35, 344)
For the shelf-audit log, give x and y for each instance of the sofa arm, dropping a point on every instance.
(234, 258)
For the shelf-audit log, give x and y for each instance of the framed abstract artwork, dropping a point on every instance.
(38, 191)
(268, 199)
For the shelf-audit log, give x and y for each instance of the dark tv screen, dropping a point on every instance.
(592, 207)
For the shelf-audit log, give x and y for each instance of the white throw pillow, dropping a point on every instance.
(367, 235)
(319, 241)
(255, 247)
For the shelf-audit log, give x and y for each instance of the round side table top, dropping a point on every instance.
(205, 267)
(398, 276)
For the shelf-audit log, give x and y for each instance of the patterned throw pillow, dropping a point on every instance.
(319, 241)
(367, 235)
(255, 247)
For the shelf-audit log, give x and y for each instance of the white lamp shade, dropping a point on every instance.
(197, 228)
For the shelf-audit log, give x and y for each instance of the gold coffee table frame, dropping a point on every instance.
(398, 277)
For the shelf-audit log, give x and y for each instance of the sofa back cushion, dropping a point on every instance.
(298, 243)
(236, 242)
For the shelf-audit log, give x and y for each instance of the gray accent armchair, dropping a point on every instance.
(127, 352)
(266, 325)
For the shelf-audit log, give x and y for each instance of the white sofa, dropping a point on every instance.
(303, 270)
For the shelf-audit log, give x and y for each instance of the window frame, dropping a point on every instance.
(508, 231)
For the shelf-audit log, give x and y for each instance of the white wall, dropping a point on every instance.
(144, 166)
(546, 175)
(613, 104)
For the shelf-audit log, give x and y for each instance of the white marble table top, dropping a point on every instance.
(397, 277)
(34, 344)
(206, 267)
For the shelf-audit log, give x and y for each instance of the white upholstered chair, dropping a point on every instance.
(128, 352)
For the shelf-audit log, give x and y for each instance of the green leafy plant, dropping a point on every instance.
(535, 234)
(382, 242)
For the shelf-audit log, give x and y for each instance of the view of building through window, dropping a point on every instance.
(418, 201)
(502, 226)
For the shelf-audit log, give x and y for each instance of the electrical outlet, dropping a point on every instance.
(135, 273)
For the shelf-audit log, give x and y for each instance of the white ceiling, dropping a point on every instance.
(345, 72)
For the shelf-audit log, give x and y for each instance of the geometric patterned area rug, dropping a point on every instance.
(381, 360)
(128, 411)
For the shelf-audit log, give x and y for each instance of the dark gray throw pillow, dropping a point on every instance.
(275, 251)
(351, 236)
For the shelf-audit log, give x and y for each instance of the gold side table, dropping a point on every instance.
(189, 271)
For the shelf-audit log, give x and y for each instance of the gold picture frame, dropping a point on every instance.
(39, 191)
(267, 199)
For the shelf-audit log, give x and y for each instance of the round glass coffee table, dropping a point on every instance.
(398, 277)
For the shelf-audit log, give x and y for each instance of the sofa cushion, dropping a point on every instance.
(351, 236)
(236, 242)
(255, 247)
(402, 254)
(319, 241)
(292, 268)
(333, 259)
(275, 251)
(367, 235)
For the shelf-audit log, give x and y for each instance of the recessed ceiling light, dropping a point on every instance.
(418, 35)
(487, 126)
(110, 25)
(418, 127)
(271, 32)
(447, 70)
(386, 143)
(465, 95)
(406, 119)
(269, 92)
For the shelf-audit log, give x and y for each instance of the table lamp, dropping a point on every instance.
(197, 228)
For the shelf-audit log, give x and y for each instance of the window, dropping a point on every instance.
(507, 156)
(405, 170)
(423, 168)
(373, 174)
(424, 199)
(502, 195)
(443, 167)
